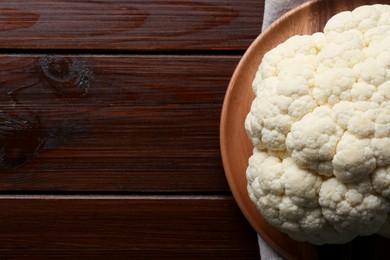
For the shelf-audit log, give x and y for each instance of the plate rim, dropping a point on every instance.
(223, 133)
(297, 250)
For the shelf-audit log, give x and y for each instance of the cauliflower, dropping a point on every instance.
(320, 126)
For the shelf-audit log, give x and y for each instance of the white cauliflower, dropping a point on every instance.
(320, 126)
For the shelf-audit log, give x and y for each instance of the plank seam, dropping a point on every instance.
(114, 52)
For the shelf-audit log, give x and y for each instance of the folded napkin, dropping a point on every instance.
(273, 9)
(266, 252)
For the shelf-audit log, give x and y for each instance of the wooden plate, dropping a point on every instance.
(235, 146)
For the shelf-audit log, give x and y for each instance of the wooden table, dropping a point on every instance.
(109, 128)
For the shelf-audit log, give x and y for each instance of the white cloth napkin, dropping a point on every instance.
(266, 252)
(273, 9)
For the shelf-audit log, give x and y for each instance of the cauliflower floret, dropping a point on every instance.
(381, 181)
(382, 95)
(288, 196)
(343, 50)
(320, 125)
(353, 208)
(354, 159)
(333, 85)
(370, 71)
(341, 22)
(361, 91)
(313, 145)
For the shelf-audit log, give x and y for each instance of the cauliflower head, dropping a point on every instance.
(320, 126)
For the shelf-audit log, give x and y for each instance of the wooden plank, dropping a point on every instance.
(141, 227)
(130, 25)
(112, 123)
(158, 227)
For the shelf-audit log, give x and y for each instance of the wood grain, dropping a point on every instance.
(114, 124)
(139, 124)
(236, 147)
(159, 227)
(129, 25)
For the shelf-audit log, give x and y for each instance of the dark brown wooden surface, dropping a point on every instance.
(109, 128)
(129, 25)
(145, 123)
(159, 227)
